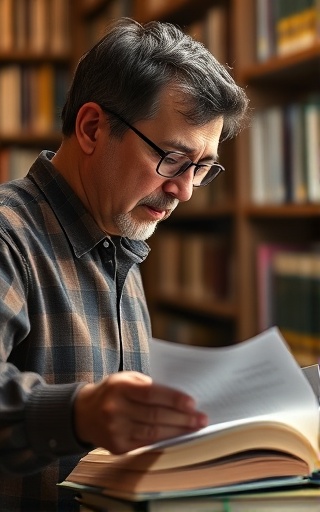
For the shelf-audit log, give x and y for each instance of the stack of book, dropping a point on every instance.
(260, 449)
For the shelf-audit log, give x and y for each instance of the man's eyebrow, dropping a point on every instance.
(183, 148)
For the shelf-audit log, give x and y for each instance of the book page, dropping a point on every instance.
(254, 378)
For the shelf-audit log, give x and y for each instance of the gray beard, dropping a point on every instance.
(135, 230)
(132, 229)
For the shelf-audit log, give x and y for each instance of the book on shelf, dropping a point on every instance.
(284, 153)
(96, 25)
(295, 154)
(296, 298)
(312, 137)
(181, 328)
(263, 424)
(267, 156)
(192, 265)
(44, 115)
(10, 99)
(196, 265)
(59, 27)
(265, 254)
(211, 30)
(295, 25)
(6, 24)
(30, 96)
(258, 150)
(168, 243)
(265, 36)
(15, 162)
(285, 26)
(216, 32)
(38, 26)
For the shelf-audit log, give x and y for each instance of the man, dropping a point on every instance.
(141, 127)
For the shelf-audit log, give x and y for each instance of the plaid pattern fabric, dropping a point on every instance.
(72, 310)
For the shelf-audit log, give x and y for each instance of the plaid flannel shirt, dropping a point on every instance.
(72, 310)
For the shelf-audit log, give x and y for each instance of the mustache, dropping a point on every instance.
(159, 202)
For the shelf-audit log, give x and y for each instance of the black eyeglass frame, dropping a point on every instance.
(163, 154)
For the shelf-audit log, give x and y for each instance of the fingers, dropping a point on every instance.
(161, 415)
(149, 433)
(147, 392)
(127, 410)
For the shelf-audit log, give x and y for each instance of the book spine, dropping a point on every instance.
(38, 26)
(285, 157)
(296, 289)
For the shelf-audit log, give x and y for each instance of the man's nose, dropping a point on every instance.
(181, 187)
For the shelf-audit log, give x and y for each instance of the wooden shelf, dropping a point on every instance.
(32, 139)
(31, 57)
(209, 212)
(91, 8)
(210, 307)
(182, 12)
(283, 211)
(294, 69)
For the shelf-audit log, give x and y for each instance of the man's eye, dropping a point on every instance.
(170, 160)
(175, 159)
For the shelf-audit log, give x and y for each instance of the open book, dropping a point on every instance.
(264, 423)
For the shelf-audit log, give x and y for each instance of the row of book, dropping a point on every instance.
(15, 162)
(31, 98)
(37, 26)
(212, 31)
(96, 25)
(286, 26)
(285, 157)
(288, 281)
(195, 265)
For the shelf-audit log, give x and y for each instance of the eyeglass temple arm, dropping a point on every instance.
(160, 151)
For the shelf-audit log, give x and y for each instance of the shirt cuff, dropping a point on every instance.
(49, 420)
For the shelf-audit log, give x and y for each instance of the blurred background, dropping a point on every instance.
(243, 253)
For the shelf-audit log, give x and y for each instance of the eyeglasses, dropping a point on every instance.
(173, 163)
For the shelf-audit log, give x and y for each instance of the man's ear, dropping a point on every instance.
(87, 126)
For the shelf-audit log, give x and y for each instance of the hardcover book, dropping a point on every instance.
(264, 424)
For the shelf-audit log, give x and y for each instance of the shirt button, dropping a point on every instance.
(106, 244)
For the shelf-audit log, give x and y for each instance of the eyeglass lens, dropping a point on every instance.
(175, 164)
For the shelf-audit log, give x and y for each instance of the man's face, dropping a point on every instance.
(125, 194)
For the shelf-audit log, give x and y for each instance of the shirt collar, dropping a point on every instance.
(79, 226)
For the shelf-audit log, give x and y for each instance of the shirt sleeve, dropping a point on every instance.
(36, 419)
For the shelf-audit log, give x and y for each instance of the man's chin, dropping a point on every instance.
(138, 231)
(145, 233)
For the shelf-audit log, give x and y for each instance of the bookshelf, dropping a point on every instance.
(35, 56)
(224, 226)
(273, 81)
(279, 81)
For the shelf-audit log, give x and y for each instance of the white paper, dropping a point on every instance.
(258, 377)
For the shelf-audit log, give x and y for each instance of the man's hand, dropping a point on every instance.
(128, 410)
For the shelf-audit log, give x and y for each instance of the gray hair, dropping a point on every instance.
(130, 66)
